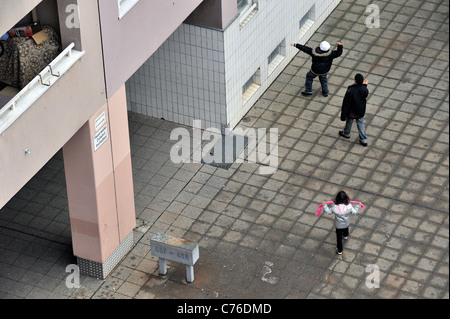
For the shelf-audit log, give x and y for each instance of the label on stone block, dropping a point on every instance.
(175, 249)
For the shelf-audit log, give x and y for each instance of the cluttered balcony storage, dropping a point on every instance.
(32, 59)
(26, 52)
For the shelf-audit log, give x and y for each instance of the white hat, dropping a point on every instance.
(325, 46)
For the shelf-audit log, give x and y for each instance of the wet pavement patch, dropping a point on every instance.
(226, 150)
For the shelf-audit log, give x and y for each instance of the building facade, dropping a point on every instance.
(71, 84)
(214, 69)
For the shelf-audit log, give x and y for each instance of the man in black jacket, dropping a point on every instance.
(354, 108)
(322, 60)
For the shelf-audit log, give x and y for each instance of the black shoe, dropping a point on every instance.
(363, 144)
(325, 94)
(341, 133)
(306, 93)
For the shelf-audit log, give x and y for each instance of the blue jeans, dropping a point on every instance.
(361, 128)
(310, 76)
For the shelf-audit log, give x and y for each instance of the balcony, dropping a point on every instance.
(44, 95)
(31, 61)
(37, 87)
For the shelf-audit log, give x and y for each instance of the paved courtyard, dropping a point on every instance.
(258, 234)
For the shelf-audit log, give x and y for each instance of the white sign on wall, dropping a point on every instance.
(100, 120)
(100, 138)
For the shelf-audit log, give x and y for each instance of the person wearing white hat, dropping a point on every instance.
(324, 46)
(322, 60)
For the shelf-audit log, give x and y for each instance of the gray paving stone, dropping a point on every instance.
(402, 177)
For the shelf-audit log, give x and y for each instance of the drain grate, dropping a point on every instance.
(226, 150)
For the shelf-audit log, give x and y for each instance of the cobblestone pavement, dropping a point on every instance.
(258, 234)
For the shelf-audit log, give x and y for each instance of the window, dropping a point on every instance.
(307, 20)
(251, 86)
(247, 9)
(242, 4)
(276, 56)
(125, 6)
(248, 84)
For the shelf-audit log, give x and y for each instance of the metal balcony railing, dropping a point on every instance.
(38, 86)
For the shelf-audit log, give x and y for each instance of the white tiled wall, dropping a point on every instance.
(198, 73)
(248, 48)
(184, 80)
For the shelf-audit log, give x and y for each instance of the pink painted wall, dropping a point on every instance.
(57, 115)
(123, 172)
(90, 189)
(130, 41)
(99, 183)
(229, 12)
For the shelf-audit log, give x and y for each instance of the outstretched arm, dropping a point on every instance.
(357, 207)
(303, 48)
(339, 50)
(327, 209)
(319, 210)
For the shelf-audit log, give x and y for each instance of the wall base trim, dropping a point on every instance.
(102, 270)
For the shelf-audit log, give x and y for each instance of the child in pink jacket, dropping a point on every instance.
(342, 208)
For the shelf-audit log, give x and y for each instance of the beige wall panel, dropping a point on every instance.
(57, 115)
(12, 11)
(129, 42)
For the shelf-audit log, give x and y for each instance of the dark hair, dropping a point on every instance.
(359, 79)
(341, 198)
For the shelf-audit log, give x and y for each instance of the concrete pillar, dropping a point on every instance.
(100, 189)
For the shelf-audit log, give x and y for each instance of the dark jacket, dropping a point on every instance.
(354, 103)
(321, 60)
